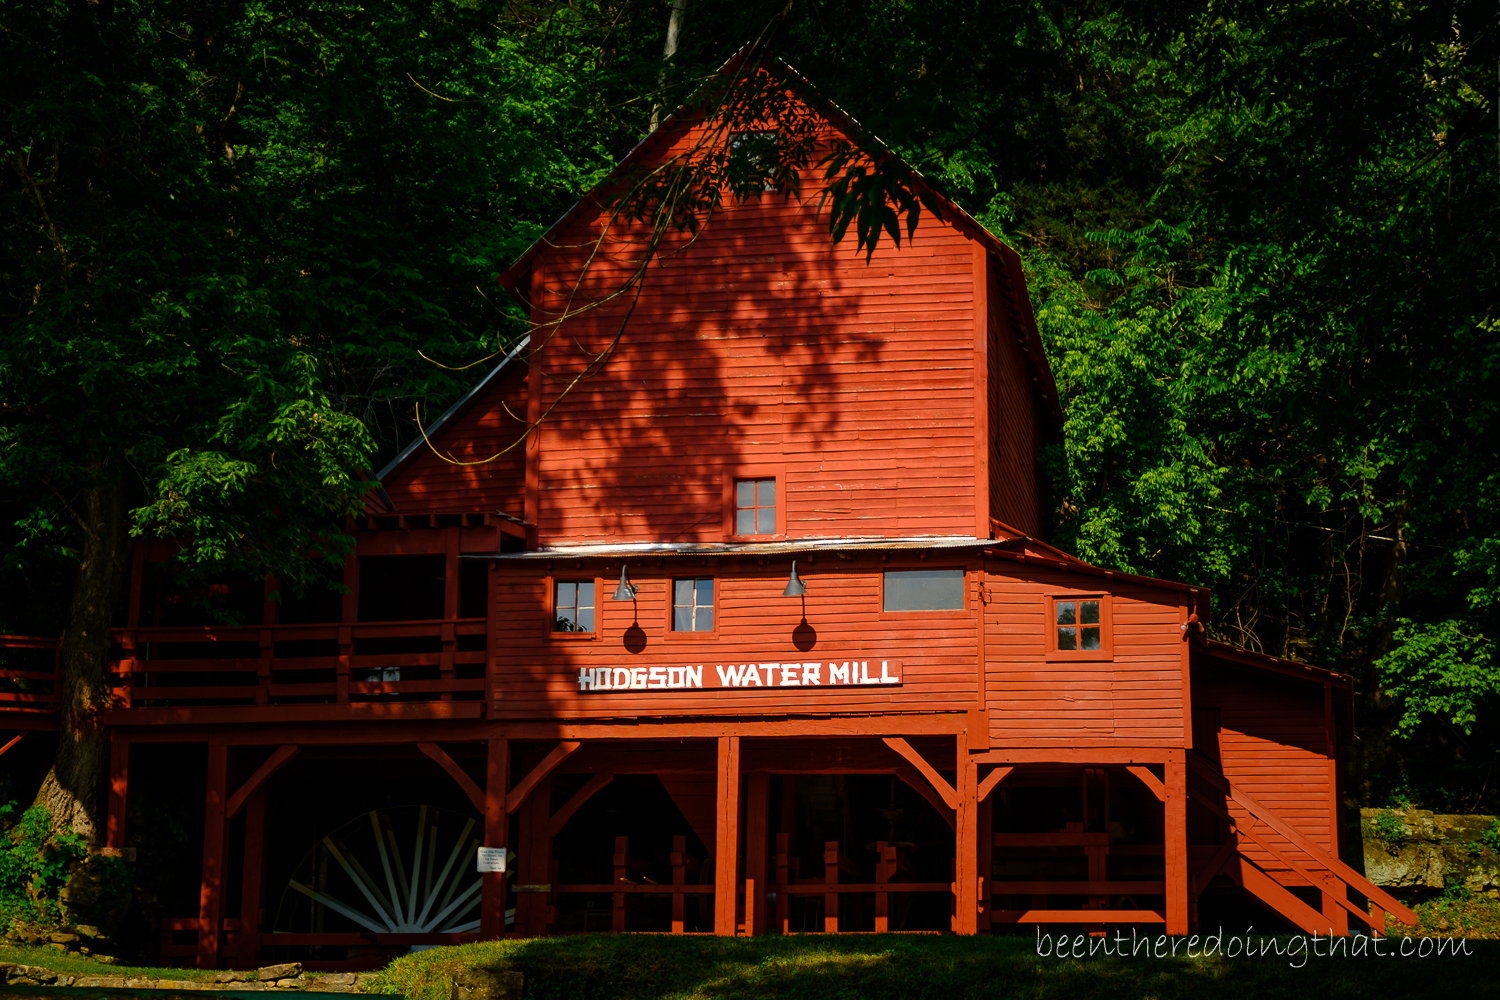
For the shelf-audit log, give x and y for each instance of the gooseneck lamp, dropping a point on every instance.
(626, 590)
(794, 587)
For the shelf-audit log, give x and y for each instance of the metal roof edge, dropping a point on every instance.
(866, 543)
(1278, 664)
(463, 401)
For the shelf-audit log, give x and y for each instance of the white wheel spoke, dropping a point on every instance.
(437, 887)
(337, 907)
(328, 842)
(374, 886)
(472, 925)
(385, 861)
(471, 890)
(400, 866)
(416, 867)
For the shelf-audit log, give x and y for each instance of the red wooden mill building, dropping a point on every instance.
(593, 649)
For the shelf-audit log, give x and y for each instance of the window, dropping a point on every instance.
(693, 605)
(924, 590)
(754, 158)
(1078, 627)
(573, 606)
(755, 506)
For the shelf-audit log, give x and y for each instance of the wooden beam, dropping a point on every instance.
(966, 844)
(12, 743)
(757, 850)
(211, 888)
(560, 818)
(948, 793)
(727, 840)
(1276, 896)
(1175, 826)
(561, 752)
(252, 879)
(472, 790)
(992, 779)
(924, 788)
(1079, 755)
(1355, 880)
(273, 764)
(496, 834)
(1150, 780)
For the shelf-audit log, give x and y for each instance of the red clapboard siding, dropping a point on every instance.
(1132, 699)
(758, 345)
(1014, 419)
(1274, 746)
(538, 676)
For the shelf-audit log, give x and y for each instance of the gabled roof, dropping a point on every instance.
(511, 279)
(451, 412)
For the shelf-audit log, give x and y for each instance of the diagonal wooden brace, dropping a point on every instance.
(561, 752)
(1150, 780)
(472, 790)
(560, 818)
(945, 791)
(992, 779)
(271, 766)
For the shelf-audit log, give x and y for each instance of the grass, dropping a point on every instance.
(870, 967)
(78, 965)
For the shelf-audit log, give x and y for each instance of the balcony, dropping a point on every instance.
(401, 668)
(28, 682)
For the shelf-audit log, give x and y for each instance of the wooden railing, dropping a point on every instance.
(890, 867)
(1104, 894)
(290, 664)
(29, 687)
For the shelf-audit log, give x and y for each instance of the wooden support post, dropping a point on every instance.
(885, 870)
(679, 880)
(1176, 844)
(251, 888)
(117, 826)
(966, 864)
(785, 873)
(496, 834)
(727, 840)
(622, 872)
(830, 878)
(211, 891)
(757, 850)
(534, 854)
(450, 612)
(986, 859)
(349, 613)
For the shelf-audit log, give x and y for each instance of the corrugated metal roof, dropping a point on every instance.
(791, 547)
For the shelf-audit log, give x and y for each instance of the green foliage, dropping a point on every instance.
(34, 865)
(1491, 837)
(1389, 828)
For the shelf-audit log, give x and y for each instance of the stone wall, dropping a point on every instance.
(1416, 849)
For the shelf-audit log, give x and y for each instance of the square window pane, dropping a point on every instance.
(567, 595)
(704, 621)
(744, 493)
(585, 619)
(705, 593)
(1090, 612)
(767, 491)
(682, 593)
(765, 521)
(1091, 637)
(563, 622)
(1067, 638)
(1065, 612)
(924, 590)
(744, 521)
(682, 619)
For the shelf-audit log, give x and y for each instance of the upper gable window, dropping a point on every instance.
(755, 507)
(923, 590)
(754, 160)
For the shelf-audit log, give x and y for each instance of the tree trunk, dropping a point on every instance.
(74, 789)
(674, 29)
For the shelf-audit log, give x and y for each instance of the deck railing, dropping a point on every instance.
(28, 674)
(301, 664)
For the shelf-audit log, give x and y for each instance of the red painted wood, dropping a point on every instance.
(565, 812)
(727, 841)
(556, 756)
(458, 774)
(117, 824)
(757, 850)
(252, 885)
(496, 834)
(277, 760)
(215, 830)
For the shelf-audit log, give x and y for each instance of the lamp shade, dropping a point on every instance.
(626, 590)
(794, 587)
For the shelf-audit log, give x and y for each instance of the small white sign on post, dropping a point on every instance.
(490, 859)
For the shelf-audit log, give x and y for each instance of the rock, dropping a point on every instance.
(99, 982)
(137, 984)
(176, 984)
(104, 959)
(338, 982)
(88, 931)
(286, 970)
(361, 978)
(229, 977)
(487, 984)
(1443, 924)
(56, 946)
(61, 938)
(288, 983)
(65, 980)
